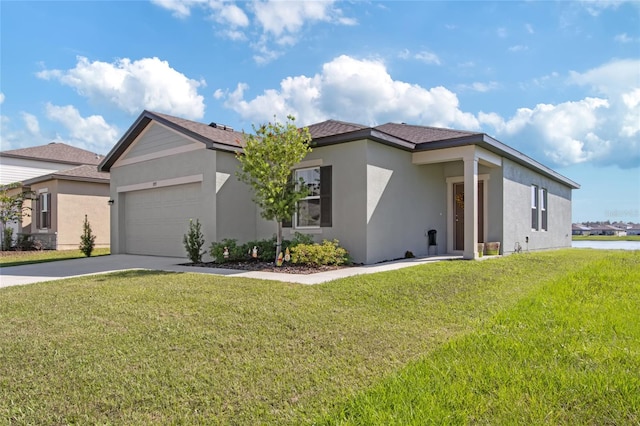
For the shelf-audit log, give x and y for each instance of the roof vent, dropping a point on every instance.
(220, 126)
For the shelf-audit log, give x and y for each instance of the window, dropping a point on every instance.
(543, 208)
(534, 207)
(308, 209)
(314, 211)
(43, 211)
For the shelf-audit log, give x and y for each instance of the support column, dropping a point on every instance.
(470, 208)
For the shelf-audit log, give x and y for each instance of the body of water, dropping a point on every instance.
(607, 245)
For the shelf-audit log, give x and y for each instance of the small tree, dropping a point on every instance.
(12, 208)
(87, 240)
(266, 166)
(193, 241)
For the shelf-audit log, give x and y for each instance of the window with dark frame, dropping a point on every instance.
(308, 209)
(534, 207)
(43, 211)
(314, 211)
(544, 208)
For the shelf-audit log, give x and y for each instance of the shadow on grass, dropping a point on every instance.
(133, 273)
(31, 261)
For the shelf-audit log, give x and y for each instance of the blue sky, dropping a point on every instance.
(559, 81)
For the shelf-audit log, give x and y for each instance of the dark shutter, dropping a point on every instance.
(38, 202)
(325, 196)
(286, 223)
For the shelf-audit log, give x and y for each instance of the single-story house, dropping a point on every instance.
(378, 190)
(580, 229)
(604, 229)
(66, 186)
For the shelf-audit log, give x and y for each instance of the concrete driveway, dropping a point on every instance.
(28, 274)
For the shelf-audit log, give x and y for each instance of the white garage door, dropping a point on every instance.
(157, 219)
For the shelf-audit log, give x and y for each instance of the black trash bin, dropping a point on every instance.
(432, 237)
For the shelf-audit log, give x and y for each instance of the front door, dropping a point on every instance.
(458, 215)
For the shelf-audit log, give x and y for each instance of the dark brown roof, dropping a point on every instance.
(220, 134)
(422, 134)
(403, 136)
(56, 152)
(85, 173)
(332, 128)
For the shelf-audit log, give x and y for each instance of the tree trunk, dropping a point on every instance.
(278, 241)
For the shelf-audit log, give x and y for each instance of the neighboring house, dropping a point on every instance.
(580, 229)
(608, 230)
(633, 229)
(66, 186)
(379, 190)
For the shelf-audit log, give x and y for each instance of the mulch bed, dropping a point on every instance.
(287, 268)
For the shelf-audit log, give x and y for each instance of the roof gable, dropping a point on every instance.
(55, 152)
(212, 135)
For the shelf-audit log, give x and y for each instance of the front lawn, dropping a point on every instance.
(17, 258)
(143, 347)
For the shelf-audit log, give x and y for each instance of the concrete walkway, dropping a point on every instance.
(40, 272)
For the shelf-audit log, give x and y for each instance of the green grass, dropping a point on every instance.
(605, 238)
(569, 353)
(147, 347)
(17, 258)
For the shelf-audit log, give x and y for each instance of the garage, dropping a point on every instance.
(157, 219)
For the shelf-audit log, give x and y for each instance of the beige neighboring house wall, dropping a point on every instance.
(74, 193)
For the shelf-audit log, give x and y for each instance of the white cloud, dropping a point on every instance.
(278, 22)
(603, 128)
(286, 17)
(92, 132)
(564, 133)
(529, 28)
(147, 83)
(28, 133)
(595, 7)
(428, 57)
(232, 15)
(479, 87)
(1, 98)
(518, 48)
(352, 90)
(423, 56)
(31, 123)
(180, 8)
(623, 38)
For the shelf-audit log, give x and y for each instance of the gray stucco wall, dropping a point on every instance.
(236, 212)
(517, 181)
(411, 199)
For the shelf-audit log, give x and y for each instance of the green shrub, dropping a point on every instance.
(236, 252)
(87, 239)
(327, 253)
(193, 241)
(266, 248)
(7, 238)
(299, 238)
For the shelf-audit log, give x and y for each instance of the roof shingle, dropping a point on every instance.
(421, 134)
(56, 152)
